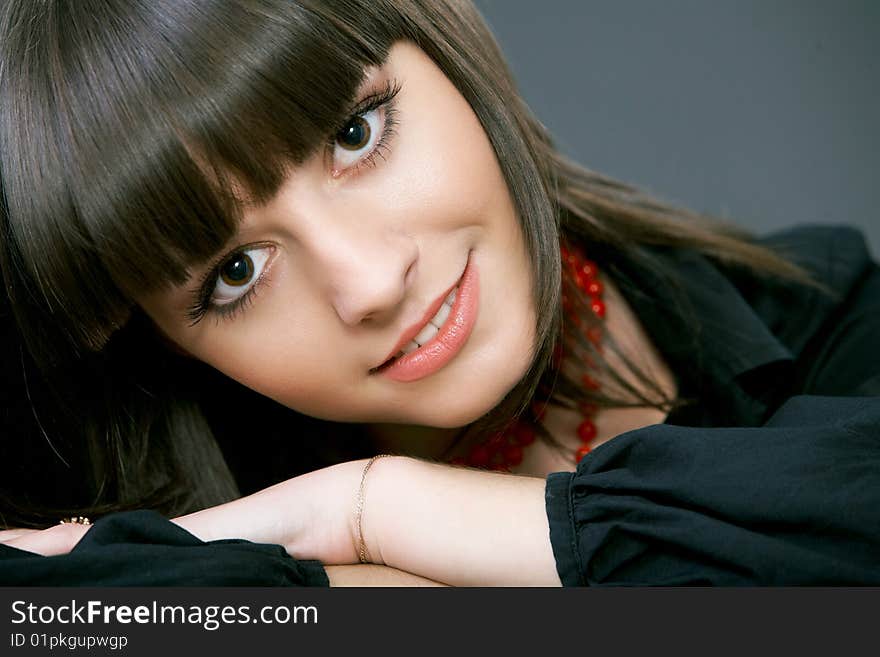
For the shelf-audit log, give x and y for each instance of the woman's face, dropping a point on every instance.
(352, 259)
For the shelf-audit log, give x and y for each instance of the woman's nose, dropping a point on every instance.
(367, 273)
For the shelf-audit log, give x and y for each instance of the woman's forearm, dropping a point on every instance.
(459, 526)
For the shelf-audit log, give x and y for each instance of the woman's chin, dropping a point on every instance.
(462, 415)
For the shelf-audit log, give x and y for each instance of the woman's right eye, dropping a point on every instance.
(238, 274)
(366, 133)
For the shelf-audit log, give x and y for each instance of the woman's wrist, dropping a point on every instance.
(455, 525)
(329, 496)
(357, 529)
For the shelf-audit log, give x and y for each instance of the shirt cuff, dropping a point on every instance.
(563, 537)
(314, 573)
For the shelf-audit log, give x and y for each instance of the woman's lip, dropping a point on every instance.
(450, 338)
(416, 328)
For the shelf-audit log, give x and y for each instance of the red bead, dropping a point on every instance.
(584, 282)
(594, 288)
(564, 251)
(598, 307)
(479, 456)
(513, 454)
(572, 260)
(587, 431)
(594, 334)
(588, 269)
(582, 452)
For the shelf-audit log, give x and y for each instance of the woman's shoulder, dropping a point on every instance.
(831, 329)
(837, 256)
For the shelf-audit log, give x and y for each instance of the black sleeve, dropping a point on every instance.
(796, 502)
(142, 548)
(793, 502)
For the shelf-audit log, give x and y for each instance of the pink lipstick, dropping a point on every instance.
(449, 339)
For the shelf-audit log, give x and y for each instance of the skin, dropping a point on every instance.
(356, 256)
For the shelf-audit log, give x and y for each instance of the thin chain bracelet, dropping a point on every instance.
(359, 509)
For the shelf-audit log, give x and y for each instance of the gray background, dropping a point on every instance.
(761, 112)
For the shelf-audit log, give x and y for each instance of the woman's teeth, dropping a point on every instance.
(432, 327)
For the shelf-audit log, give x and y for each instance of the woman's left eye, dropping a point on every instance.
(238, 274)
(358, 138)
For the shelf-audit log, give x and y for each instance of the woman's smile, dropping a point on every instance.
(437, 341)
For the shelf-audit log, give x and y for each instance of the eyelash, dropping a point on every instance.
(385, 99)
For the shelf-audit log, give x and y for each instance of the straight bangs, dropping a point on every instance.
(132, 133)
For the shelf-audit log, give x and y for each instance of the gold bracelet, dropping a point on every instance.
(359, 509)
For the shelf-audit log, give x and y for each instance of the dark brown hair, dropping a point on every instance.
(122, 125)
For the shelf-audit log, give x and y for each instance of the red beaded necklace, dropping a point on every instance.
(504, 449)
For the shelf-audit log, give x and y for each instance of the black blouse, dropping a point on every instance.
(770, 477)
(773, 476)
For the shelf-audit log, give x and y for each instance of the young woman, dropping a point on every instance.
(327, 245)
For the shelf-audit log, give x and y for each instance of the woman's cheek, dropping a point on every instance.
(441, 159)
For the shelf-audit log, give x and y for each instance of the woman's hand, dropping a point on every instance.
(59, 539)
(310, 515)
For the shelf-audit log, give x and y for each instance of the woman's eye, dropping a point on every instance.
(238, 274)
(357, 139)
